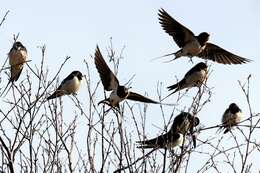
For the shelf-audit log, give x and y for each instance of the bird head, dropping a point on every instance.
(122, 91)
(78, 74)
(203, 38)
(202, 65)
(17, 45)
(234, 108)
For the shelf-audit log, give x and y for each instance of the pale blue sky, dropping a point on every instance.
(74, 28)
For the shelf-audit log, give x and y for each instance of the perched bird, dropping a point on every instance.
(192, 45)
(182, 125)
(70, 85)
(17, 57)
(231, 117)
(194, 77)
(111, 83)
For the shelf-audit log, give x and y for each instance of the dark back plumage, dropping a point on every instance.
(180, 34)
(198, 67)
(109, 80)
(184, 122)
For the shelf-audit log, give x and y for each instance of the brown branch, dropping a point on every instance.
(4, 18)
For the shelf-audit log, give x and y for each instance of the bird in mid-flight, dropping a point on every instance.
(194, 77)
(70, 85)
(182, 125)
(192, 45)
(111, 83)
(17, 57)
(231, 117)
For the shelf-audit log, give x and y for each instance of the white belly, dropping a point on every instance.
(175, 143)
(191, 49)
(71, 86)
(230, 119)
(114, 99)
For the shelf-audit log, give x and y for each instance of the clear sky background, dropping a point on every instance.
(74, 28)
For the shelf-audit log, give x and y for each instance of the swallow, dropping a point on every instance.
(17, 57)
(231, 117)
(194, 77)
(70, 85)
(191, 45)
(182, 125)
(111, 83)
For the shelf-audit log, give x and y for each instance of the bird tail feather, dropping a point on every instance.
(57, 93)
(176, 55)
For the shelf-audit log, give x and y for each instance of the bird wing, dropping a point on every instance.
(179, 121)
(181, 35)
(57, 93)
(140, 98)
(220, 55)
(68, 78)
(109, 80)
(194, 69)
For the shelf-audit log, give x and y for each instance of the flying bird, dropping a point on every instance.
(70, 85)
(231, 117)
(194, 77)
(192, 45)
(111, 83)
(182, 125)
(17, 57)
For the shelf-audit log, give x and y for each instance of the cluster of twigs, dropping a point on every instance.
(37, 135)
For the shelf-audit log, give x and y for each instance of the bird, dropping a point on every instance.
(182, 125)
(194, 77)
(191, 45)
(231, 117)
(17, 57)
(111, 83)
(70, 85)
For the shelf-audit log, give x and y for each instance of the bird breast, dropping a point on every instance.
(196, 79)
(17, 57)
(174, 143)
(114, 98)
(192, 48)
(71, 86)
(230, 119)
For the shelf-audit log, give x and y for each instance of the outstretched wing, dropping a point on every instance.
(181, 35)
(140, 98)
(220, 55)
(109, 80)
